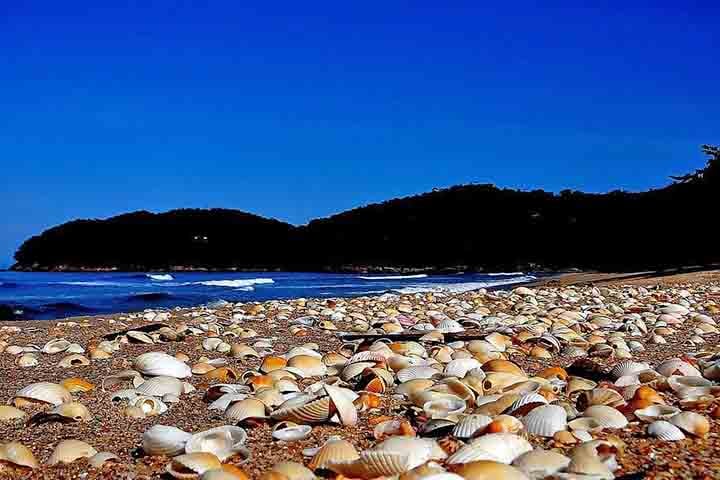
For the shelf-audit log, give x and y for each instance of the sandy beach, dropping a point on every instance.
(611, 333)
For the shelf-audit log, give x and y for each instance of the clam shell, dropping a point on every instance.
(157, 364)
(676, 366)
(628, 367)
(291, 433)
(72, 410)
(74, 360)
(223, 442)
(459, 368)
(414, 386)
(600, 396)
(313, 411)
(470, 425)
(498, 447)
(247, 409)
(192, 465)
(18, 454)
(490, 470)
(309, 366)
(332, 452)
(656, 412)
(42, 392)
(56, 346)
(160, 386)
(416, 372)
(665, 431)
(164, 440)
(606, 416)
(692, 423)
(67, 451)
(27, 360)
(445, 407)
(546, 420)
(292, 471)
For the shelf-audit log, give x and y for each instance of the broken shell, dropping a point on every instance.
(18, 455)
(342, 401)
(334, 451)
(77, 385)
(223, 442)
(27, 360)
(445, 407)
(151, 406)
(656, 412)
(56, 346)
(8, 412)
(74, 360)
(541, 463)
(160, 386)
(101, 458)
(67, 451)
(192, 465)
(42, 392)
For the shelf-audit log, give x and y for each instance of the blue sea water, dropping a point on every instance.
(39, 295)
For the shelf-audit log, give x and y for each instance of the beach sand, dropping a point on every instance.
(110, 431)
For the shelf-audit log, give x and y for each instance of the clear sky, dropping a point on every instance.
(296, 110)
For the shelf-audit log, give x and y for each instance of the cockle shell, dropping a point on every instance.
(498, 447)
(470, 425)
(159, 386)
(656, 412)
(157, 364)
(628, 367)
(316, 410)
(599, 396)
(444, 407)
(332, 452)
(665, 431)
(416, 372)
(306, 365)
(342, 401)
(67, 451)
(459, 368)
(676, 366)
(546, 420)
(223, 442)
(164, 440)
(692, 423)
(607, 416)
(192, 465)
(101, 458)
(18, 455)
(42, 392)
(290, 471)
(248, 409)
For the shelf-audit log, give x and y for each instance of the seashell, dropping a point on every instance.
(101, 458)
(160, 386)
(692, 423)
(56, 346)
(585, 460)
(158, 364)
(223, 442)
(504, 424)
(315, 410)
(201, 368)
(223, 374)
(665, 431)
(67, 451)
(499, 382)
(471, 425)
(490, 470)
(498, 447)
(628, 367)
(412, 387)
(42, 392)
(271, 363)
(606, 416)
(342, 402)
(541, 463)
(139, 337)
(74, 360)
(77, 385)
(526, 402)
(8, 413)
(151, 406)
(241, 351)
(676, 366)
(164, 440)
(332, 452)
(133, 412)
(27, 360)
(546, 420)
(497, 406)
(290, 432)
(244, 410)
(126, 376)
(72, 410)
(210, 344)
(503, 366)
(291, 471)
(227, 472)
(18, 455)
(445, 407)
(459, 368)
(192, 465)
(307, 366)
(600, 396)
(656, 412)
(416, 372)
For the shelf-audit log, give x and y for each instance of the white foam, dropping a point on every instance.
(165, 277)
(396, 277)
(235, 283)
(461, 287)
(505, 274)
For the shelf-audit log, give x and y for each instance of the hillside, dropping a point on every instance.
(470, 227)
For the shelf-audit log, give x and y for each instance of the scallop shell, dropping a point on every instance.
(164, 440)
(416, 372)
(628, 367)
(607, 416)
(692, 423)
(470, 425)
(332, 452)
(192, 465)
(223, 442)
(498, 447)
(541, 463)
(459, 368)
(18, 454)
(665, 431)
(67, 451)
(309, 366)
(158, 364)
(656, 412)
(248, 409)
(42, 392)
(314, 411)
(676, 366)
(526, 403)
(160, 386)
(545, 421)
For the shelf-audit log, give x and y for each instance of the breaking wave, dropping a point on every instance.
(235, 283)
(395, 277)
(461, 287)
(160, 277)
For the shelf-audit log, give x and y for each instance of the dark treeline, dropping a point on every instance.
(473, 227)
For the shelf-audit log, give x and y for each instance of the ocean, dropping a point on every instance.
(40, 295)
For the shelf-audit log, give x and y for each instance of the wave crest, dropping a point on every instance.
(235, 283)
(160, 277)
(394, 277)
(461, 287)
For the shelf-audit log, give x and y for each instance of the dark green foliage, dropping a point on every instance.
(478, 226)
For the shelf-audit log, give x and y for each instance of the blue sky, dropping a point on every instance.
(297, 110)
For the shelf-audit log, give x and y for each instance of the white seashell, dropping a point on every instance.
(342, 399)
(528, 400)
(628, 367)
(541, 463)
(417, 372)
(545, 420)
(101, 458)
(224, 402)
(676, 366)
(656, 412)
(151, 406)
(460, 367)
(157, 364)
(56, 346)
(665, 431)
(497, 447)
(127, 395)
(292, 433)
(444, 407)
(223, 442)
(470, 425)
(43, 392)
(67, 451)
(606, 416)
(192, 465)
(164, 440)
(160, 386)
